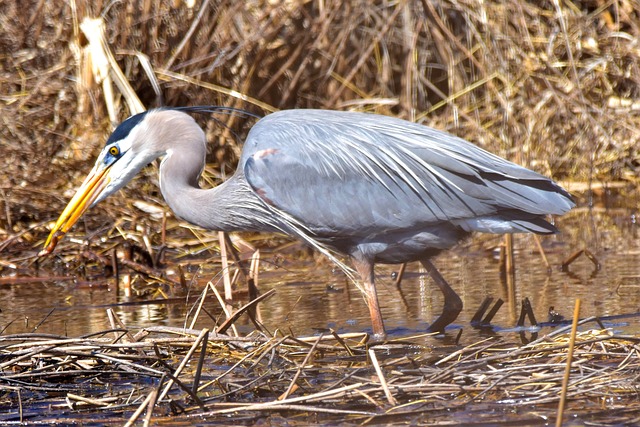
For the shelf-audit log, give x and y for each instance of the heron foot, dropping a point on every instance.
(377, 338)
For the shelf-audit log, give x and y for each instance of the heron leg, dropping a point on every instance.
(365, 269)
(452, 302)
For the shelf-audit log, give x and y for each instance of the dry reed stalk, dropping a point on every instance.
(247, 308)
(224, 305)
(383, 382)
(494, 372)
(150, 405)
(144, 405)
(254, 269)
(228, 292)
(94, 402)
(541, 251)
(105, 68)
(117, 324)
(201, 301)
(171, 77)
(293, 386)
(567, 371)
(278, 403)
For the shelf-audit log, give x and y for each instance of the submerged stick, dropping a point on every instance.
(509, 256)
(203, 353)
(590, 256)
(204, 334)
(32, 279)
(527, 311)
(326, 394)
(35, 328)
(481, 310)
(489, 317)
(567, 371)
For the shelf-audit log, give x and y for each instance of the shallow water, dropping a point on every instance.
(312, 295)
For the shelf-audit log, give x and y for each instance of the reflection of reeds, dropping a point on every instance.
(319, 379)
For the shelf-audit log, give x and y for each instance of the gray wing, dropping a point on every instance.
(344, 173)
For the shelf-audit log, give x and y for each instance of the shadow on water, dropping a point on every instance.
(312, 295)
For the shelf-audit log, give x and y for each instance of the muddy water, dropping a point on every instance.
(312, 295)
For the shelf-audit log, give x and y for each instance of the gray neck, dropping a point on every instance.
(231, 206)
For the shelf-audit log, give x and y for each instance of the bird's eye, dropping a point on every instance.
(114, 151)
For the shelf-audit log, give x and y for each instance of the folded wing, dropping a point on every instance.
(344, 173)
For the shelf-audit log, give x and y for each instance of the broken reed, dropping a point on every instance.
(172, 372)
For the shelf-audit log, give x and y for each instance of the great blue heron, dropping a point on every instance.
(376, 188)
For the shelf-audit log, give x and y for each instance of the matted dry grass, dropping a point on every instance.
(161, 375)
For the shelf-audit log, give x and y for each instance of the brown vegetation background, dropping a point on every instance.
(553, 85)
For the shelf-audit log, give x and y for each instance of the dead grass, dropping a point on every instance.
(552, 86)
(161, 374)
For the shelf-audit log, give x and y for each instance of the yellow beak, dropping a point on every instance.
(89, 191)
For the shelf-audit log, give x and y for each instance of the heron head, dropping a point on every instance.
(123, 156)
